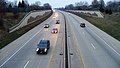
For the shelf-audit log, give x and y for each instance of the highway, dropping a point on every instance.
(94, 47)
(88, 47)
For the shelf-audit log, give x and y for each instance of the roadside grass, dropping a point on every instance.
(110, 23)
(11, 20)
(9, 37)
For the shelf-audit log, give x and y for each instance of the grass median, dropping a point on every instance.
(109, 24)
(9, 37)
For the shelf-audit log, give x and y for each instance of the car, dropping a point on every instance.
(54, 31)
(82, 25)
(54, 17)
(46, 26)
(43, 46)
(57, 21)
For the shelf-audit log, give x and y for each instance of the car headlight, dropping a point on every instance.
(45, 49)
(37, 49)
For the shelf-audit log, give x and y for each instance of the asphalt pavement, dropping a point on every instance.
(88, 47)
(21, 52)
(92, 45)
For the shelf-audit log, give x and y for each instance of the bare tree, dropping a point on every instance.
(2, 6)
(38, 3)
(114, 6)
(69, 7)
(2, 11)
(81, 3)
(47, 6)
(95, 5)
(101, 6)
(102, 3)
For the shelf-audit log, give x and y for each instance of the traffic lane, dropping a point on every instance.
(20, 58)
(100, 53)
(42, 62)
(58, 17)
(26, 52)
(112, 42)
(7, 51)
(3, 60)
(57, 57)
(85, 56)
(73, 54)
(22, 46)
(57, 61)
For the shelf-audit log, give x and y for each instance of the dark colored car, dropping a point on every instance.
(82, 25)
(57, 21)
(46, 26)
(43, 46)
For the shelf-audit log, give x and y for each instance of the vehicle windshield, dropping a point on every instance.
(42, 45)
(43, 42)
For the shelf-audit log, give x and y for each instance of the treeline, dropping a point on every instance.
(18, 7)
(24, 6)
(109, 7)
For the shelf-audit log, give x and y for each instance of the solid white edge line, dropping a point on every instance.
(107, 44)
(26, 64)
(20, 48)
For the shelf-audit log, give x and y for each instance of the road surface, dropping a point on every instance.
(88, 47)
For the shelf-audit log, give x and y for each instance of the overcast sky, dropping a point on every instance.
(59, 3)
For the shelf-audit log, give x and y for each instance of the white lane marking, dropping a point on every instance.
(107, 44)
(53, 50)
(83, 33)
(93, 46)
(26, 64)
(20, 48)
